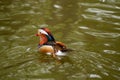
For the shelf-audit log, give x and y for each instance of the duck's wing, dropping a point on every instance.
(61, 46)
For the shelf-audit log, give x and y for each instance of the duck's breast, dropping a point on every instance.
(49, 50)
(46, 49)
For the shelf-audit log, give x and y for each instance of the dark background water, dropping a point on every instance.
(90, 27)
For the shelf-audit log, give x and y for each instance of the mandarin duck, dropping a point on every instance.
(48, 45)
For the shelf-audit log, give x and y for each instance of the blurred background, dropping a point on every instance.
(90, 27)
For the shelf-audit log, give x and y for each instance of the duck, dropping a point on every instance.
(48, 45)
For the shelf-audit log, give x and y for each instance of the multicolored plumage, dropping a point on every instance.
(48, 45)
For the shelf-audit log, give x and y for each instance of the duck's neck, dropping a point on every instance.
(47, 40)
(43, 40)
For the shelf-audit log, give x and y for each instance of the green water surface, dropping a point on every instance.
(90, 27)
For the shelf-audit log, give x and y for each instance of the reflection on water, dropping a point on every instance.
(90, 28)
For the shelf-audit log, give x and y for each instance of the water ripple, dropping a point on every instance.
(100, 5)
(103, 13)
(99, 11)
(104, 35)
(110, 52)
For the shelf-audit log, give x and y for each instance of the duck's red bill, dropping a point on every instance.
(36, 35)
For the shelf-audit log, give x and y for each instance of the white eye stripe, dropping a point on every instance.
(42, 31)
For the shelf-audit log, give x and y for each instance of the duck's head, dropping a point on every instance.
(45, 36)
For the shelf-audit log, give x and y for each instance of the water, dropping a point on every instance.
(90, 27)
